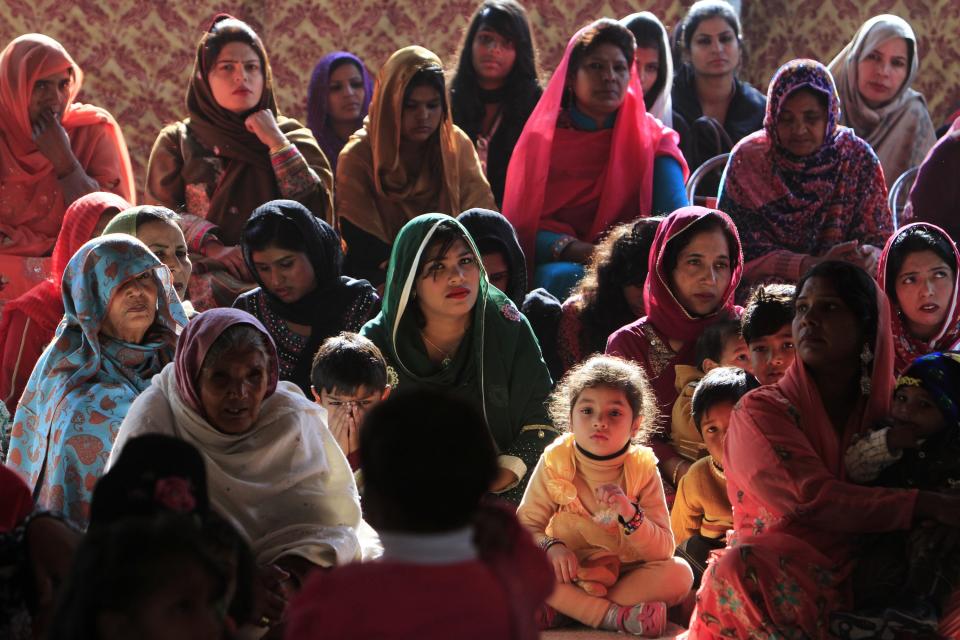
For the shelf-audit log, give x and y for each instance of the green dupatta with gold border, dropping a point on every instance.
(498, 367)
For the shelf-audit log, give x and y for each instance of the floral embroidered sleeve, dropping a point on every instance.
(196, 231)
(295, 178)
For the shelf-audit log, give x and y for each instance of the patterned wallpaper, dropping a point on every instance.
(137, 54)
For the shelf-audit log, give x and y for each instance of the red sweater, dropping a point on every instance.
(478, 600)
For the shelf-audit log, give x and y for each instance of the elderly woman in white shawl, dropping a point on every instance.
(273, 468)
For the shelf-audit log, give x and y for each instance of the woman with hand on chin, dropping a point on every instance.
(53, 151)
(443, 327)
(231, 155)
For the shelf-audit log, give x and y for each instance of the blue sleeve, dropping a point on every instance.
(669, 190)
(544, 246)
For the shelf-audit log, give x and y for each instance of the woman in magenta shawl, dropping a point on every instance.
(584, 163)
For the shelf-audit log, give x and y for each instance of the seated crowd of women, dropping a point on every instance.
(199, 315)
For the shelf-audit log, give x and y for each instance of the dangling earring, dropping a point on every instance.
(866, 357)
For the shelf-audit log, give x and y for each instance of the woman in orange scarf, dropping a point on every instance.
(408, 159)
(52, 151)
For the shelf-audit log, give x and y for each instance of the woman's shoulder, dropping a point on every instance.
(250, 301)
(751, 94)
(175, 131)
(357, 152)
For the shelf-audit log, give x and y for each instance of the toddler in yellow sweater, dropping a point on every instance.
(595, 503)
(701, 512)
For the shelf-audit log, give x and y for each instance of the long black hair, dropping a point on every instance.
(518, 96)
(619, 260)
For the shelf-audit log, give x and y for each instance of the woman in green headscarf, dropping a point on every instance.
(442, 326)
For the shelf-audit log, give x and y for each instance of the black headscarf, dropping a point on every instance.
(489, 228)
(325, 308)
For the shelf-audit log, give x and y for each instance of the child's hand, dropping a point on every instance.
(343, 426)
(564, 561)
(901, 437)
(613, 497)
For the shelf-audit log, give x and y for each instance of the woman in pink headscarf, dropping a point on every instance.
(796, 517)
(590, 157)
(52, 151)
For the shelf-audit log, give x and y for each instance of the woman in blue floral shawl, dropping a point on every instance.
(120, 326)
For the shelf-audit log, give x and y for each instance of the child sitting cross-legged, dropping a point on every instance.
(595, 503)
(767, 327)
(348, 378)
(701, 512)
(918, 449)
(720, 345)
(451, 567)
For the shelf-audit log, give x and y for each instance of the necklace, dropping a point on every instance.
(446, 356)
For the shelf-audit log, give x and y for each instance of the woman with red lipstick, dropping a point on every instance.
(303, 298)
(796, 518)
(29, 321)
(496, 85)
(918, 272)
(712, 107)
(338, 99)
(120, 326)
(804, 189)
(874, 73)
(233, 153)
(590, 157)
(442, 326)
(693, 270)
(408, 159)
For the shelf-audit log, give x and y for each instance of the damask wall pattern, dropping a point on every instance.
(137, 54)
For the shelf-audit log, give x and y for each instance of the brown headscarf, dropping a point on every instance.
(249, 179)
(31, 201)
(900, 131)
(374, 191)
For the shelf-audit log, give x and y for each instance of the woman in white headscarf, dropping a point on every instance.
(873, 74)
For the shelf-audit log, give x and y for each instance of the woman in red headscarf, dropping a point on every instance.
(694, 268)
(52, 151)
(590, 157)
(28, 322)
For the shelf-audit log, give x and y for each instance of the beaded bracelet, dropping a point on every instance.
(559, 245)
(631, 525)
(548, 542)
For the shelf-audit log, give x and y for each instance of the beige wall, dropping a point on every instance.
(137, 54)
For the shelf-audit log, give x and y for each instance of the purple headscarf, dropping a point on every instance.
(195, 342)
(317, 95)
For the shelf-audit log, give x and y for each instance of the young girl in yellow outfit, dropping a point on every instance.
(595, 503)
